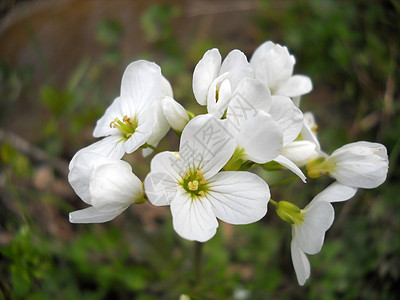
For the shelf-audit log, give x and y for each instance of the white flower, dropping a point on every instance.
(264, 123)
(175, 114)
(128, 123)
(198, 193)
(359, 164)
(107, 184)
(273, 65)
(310, 225)
(213, 82)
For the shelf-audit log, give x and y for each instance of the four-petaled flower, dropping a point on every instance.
(195, 189)
(129, 121)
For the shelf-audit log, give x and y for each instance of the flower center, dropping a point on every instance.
(194, 183)
(127, 126)
(320, 167)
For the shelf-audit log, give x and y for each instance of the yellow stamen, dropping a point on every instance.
(193, 185)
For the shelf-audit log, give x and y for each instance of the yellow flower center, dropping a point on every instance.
(195, 183)
(127, 126)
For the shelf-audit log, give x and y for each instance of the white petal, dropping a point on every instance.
(336, 192)
(92, 215)
(204, 73)
(193, 219)
(175, 114)
(111, 147)
(297, 85)
(160, 127)
(260, 52)
(140, 85)
(162, 182)
(308, 130)
(237, 66)
(103, 127)
(288, 116)
(113, 186)
(165, 89)
(300, 152)
(80, 171)
(360, 164)
(260, 137)
(273, 64)
(282, 160)
(144, 130)
(311, 233)
(300, 263)
(238, 197)
(206, 145)
(250, 97)
(219, 95)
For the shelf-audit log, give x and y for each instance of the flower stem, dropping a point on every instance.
(198, 255)
(151, 147)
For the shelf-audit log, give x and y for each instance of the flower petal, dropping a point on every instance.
(140, 85)
(308, 130)
(165, 89)
(92, 215)
(80, 170)
(282, 160)
(162, 182)
(206, 145)
(273, 64)
(260, 137)
(300, 263)
(160, 127)
(110, 146)
(311, 233)
(103, 127)
(238, 197)
(175, 114)
(300, 152)
(219, 95)
(297, 85)
(250, 97)
(336, 192)
(193, 219)
(204, 73)
(146, 123)
(237, 66)
(113, 186)
(288, 116)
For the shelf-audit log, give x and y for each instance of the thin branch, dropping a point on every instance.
(35, 153)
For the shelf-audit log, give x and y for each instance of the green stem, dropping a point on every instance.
(274, 203)
(151, 147)
(198, 255)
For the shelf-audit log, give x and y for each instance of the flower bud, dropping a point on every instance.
(289, 212)
(175, 114)
(360, 164)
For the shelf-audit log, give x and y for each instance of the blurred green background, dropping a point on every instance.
(61, 64)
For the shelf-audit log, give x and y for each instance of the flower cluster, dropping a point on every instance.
(253, 119)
